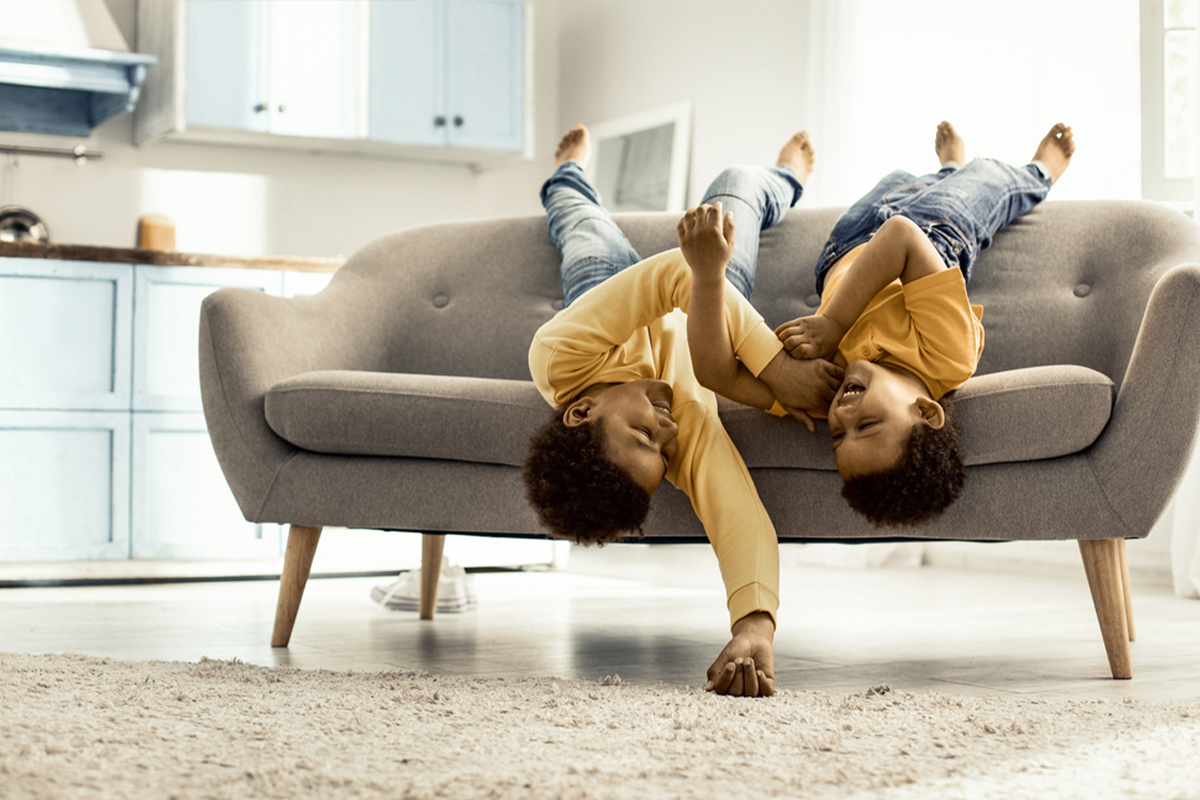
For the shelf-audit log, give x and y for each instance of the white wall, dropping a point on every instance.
(1003, 71)
(743, 65)
(869, 78)
(253, 201)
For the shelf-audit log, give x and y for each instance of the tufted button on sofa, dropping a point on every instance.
(399, 397)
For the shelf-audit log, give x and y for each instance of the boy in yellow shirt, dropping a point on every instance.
(628, 410)
(894, 311)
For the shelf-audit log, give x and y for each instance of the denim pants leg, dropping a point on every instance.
(858, 223)
(962, 212)
(758, 198)
(592, 246)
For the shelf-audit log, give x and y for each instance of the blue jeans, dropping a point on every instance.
(959, 208)
(594, 248)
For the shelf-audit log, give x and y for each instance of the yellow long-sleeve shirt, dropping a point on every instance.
(928, 326)
(633, 326)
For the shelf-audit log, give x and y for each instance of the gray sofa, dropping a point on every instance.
(399, 397)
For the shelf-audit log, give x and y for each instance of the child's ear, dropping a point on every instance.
(577, 413)
(932, 412)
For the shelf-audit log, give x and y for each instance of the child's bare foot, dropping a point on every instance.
(798, 154)
(576, 146)
(948, 145)
(1055, 150)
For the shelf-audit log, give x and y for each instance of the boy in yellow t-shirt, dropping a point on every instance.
(628, 409)
(894, 311)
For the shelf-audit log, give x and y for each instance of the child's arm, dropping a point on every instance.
(899, 249)
(583, 341)
(706, 241)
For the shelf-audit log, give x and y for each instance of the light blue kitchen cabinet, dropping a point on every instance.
(316, 66)
(65, 334)
(283, 68)
(408, 72)
(181, 506)
(166, 325)
(440, 80)
(104, 453)
(65, 377)
(225, 65)
(64, 485)
(448, 73)
(485, 73)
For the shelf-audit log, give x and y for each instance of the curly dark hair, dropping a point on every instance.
(577, 492)
(923, 484)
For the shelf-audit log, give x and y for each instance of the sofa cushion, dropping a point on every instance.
(1018, 415)
(1033, 413)
(483, 420)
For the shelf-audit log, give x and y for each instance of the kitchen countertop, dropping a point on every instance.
(163, 258)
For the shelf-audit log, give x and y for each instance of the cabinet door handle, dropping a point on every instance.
(439, 121)
(261, 107)
(282, 108)
(458, 121)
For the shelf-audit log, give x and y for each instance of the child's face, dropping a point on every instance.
(873, 414)
(640, 431)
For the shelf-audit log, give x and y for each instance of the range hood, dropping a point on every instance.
(64, 67)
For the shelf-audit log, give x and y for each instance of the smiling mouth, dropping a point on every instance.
(853, 388)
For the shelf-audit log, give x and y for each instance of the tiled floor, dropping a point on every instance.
(650, 615)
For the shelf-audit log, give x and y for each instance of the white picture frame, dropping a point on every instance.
(640, 162)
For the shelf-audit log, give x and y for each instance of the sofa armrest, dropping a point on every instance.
(1141, 457)
(249, 342)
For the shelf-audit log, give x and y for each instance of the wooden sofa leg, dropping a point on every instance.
(297, 561)
(1125, 586)
(432, 545)
(1102, 563)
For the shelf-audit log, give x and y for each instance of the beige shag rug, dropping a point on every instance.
(79, 727)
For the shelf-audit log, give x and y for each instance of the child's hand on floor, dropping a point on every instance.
(706, 239)
(802, 386)
(746, 667)
(817, 336)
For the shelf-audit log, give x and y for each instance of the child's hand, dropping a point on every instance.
(801, 386)
(811, 337)
(746, 667)
(706, 239)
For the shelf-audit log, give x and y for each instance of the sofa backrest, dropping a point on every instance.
(1067, 283)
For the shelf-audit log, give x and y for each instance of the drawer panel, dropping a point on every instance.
(65, 334)
(182, 506)
(166, 361)
(64, 485)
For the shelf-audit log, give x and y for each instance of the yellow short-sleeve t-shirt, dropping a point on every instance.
(927, 326)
